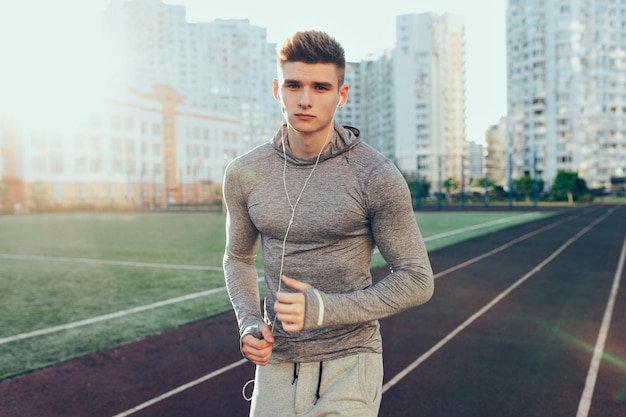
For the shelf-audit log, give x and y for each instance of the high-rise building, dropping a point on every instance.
(495, 157)
(566, 73)
(429, 95)
(370, 106)
(223, 65)
(475, 162)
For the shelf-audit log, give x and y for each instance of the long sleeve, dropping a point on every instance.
(242, 241)
(399, 241)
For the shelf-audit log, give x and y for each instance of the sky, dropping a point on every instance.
(43, 54)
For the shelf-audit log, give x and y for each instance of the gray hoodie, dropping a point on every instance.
(355, 200)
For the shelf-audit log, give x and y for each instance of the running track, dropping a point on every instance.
(529, 321)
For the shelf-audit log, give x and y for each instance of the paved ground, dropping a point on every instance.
(511, 331)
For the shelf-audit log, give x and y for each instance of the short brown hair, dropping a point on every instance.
(313, 47)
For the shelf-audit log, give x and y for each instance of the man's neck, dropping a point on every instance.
(309, 145)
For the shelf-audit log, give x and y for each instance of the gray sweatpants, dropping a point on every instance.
(350, 386)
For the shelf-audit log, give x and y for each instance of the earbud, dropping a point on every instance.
(339, 102)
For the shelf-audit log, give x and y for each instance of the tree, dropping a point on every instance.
(567, 183)
(450, 185)
(424, 186)
(526, 185)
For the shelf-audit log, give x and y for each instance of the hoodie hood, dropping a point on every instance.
(344, 139)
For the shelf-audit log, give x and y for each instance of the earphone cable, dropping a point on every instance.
(293, 206)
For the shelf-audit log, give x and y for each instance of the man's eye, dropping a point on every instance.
(321, 87)
(293, 85)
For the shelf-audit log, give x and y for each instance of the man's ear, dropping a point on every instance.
(275, 89)
(343, 92)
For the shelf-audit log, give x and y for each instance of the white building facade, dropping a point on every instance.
(566, 71)
(144, 150)
(429, 89)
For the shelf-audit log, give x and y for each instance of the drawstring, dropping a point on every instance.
(295, 373)
(319, 384)
(319, 380)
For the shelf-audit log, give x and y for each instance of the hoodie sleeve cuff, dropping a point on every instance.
(314, 315)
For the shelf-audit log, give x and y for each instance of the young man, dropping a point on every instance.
(320, 201)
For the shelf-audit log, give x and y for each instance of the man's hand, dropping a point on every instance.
(290, 307)
(258, 351)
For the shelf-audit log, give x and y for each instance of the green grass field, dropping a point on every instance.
(74, 284)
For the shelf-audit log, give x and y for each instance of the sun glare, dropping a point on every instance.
(51, 58)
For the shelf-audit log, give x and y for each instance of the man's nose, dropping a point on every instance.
(304, 101)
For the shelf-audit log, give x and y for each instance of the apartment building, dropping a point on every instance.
(429, 96)
(566, 76)
(370, 106)
(495, 155)
(137, 150)
(223, 65)
(475, 162)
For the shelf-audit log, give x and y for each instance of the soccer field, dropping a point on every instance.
(73, 284)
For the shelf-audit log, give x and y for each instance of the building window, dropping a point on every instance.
(110, 191)
(129, 124)
(130, 147)
(57, 193)
(56, 165)
(96, 166)
(80, 165)
(116, 146)
(116, 123)
(95, 144)
(117, 167)
(81, 192)
(40, 164)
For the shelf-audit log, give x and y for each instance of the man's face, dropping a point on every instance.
(309, 95)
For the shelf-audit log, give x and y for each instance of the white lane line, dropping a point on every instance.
(474, 227)
(91, 261)
(393, 381)
(181, 389)
(594, 367)
(115, 315)
(207, 377)
(478, 226)
(503, 247)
